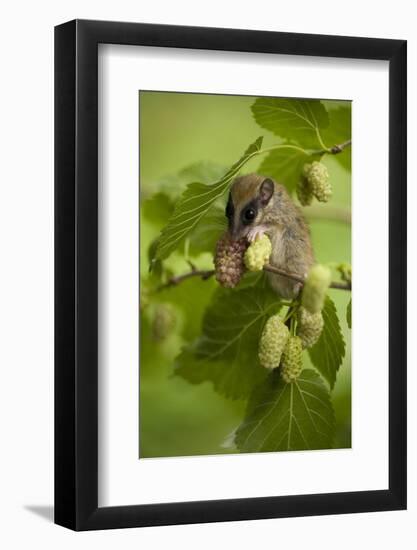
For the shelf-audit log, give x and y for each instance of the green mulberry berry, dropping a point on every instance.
(144, 299)
(272, 343)
(315, 288)
(163, 322)
(310, 326)
(258, 253)
(318, 178)
(304, 192)
(292, 361)
(228, 261)
(345, 271)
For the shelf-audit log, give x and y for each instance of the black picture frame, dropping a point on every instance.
(76, 272)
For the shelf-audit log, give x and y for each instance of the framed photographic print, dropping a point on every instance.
(220, 196)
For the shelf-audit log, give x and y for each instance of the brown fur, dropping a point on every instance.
(284, 224)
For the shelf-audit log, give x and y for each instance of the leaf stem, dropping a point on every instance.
(321, 142)
(334, 150)
(282, 146)
(289, 314)
(186, 248)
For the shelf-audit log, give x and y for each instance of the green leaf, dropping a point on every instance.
(227, 351)
(349, 314)
(298, 120)
(339, 131)
(207, 232)
(158, 208)
(204, 171)
(195, 202)
(287, 417)
(327, 354)
(191, 298)
(285, 166)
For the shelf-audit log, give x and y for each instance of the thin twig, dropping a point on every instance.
(300, 279)
(283, 273)
(341, 286)
(177, 279)
(339, 148)
(328, 213)
(206, 274)
(335, 150)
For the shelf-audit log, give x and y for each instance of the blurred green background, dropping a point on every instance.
(178, 130)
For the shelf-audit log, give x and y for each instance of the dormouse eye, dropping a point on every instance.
(249, 214)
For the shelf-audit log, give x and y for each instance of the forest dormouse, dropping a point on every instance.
(258, 205)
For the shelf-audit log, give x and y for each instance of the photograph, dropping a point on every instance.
(192, 194)
(245, 274)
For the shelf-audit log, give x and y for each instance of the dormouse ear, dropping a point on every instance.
(266, 191)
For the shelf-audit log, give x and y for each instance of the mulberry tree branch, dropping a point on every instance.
(339, 148)
(300, 279)
(206, 274)
(335, 149)
(177, 279)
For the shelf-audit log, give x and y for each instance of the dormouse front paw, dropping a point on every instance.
(256, 233)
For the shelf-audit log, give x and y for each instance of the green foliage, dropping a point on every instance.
(285, 165)
(208, 231)
(195, 202)
(226, 353)
(217, 331)
(296, 120)
(349, 314)
(327, 354)
(339, 131)
(202, 171)
(179, 419)
(158, 208)
(287, 417)
(191, 299)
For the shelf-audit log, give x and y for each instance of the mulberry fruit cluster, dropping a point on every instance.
(144, 299)
(258, 253)
(228, 261)
(315, 288)
(318, 179)
(164, 321)
(310, 326)
(292, 362)
(314, 182)
(272, 343)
